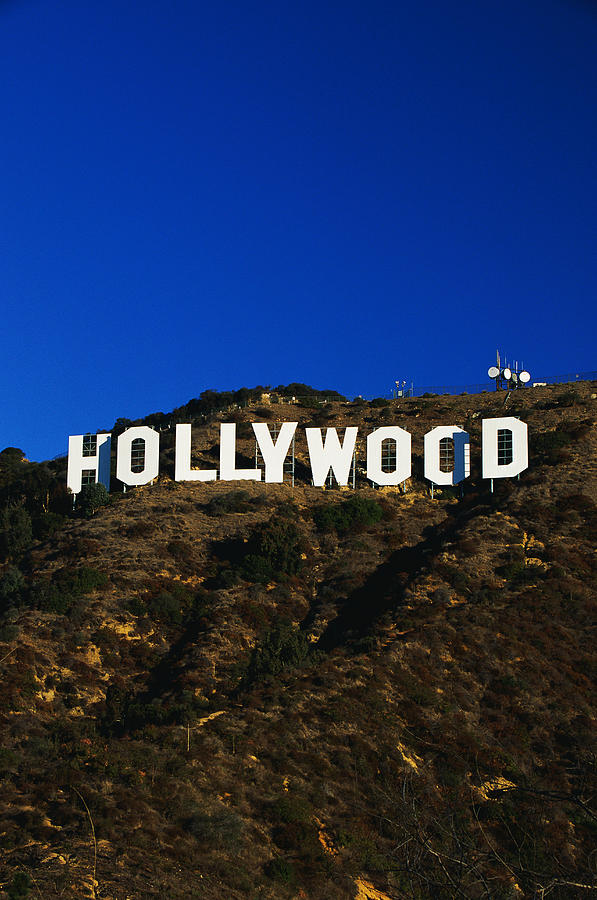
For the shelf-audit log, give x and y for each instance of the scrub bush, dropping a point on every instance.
(164, 607)
(20, 886)
(16, 532)
(232, 502)
(47, 525)
(281, 869)
(12, 585)
(273, 551)
(348, 516)
(283, 647)
(90, 498)
(59, 595)
(221, 828)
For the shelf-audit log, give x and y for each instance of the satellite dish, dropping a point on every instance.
(515, 377)
(507, 373)
(525, 377)
(493, 371)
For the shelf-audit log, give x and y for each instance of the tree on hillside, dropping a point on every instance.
(12, 461)
(90, 498)
(16, 532)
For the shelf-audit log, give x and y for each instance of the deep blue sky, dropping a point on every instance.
(210, 195)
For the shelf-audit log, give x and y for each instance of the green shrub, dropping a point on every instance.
(283, 647)
(281, 869)
(288, 510)
(66, 586)
(140, 529)
(273, 551)
(136, 606)
(12, 585)
(124, 712)
(222, 828)
(226, 578)
(348, 516)
(19, 887)
(9, 761)
(85, 579)
(486, 595)
(518, 574)
(90, 498)
(46, 525)
(180, 550)
(115, 707)
(568, 398)
(550, 444)
(448, 493)
(164, 607)
(16, 532)
(231, 502)
(8, 633)
(292, 809)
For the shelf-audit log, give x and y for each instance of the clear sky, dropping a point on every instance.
(214, 195)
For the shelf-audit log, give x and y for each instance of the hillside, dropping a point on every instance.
(251, 690)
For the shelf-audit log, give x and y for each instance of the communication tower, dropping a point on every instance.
(507, 377)
(402, 389)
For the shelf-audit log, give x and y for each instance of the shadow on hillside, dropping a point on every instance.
(382, 591)
(385, 587)
(164, 675)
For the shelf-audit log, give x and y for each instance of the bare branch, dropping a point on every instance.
(94, 840)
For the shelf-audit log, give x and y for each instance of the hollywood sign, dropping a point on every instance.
(504, 454)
